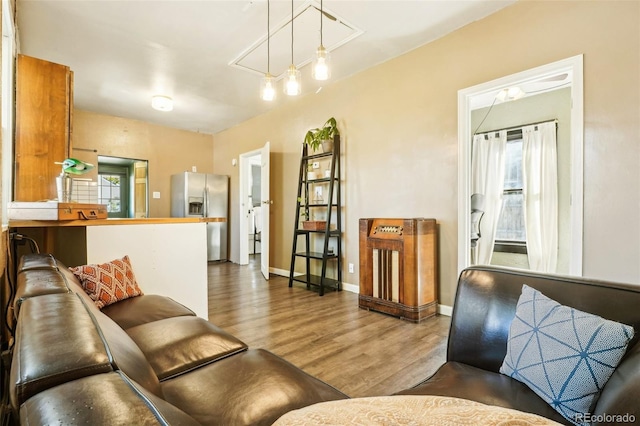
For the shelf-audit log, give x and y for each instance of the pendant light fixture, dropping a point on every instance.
(267, 88)
(321, 70)
(291, 81)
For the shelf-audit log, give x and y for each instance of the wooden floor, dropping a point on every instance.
(359, 352)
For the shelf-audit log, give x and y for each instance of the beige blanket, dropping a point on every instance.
(408, 410)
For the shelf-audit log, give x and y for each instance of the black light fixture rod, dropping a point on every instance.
(268, 37)
(321, 12)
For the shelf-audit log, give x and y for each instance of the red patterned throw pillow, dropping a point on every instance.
(109, 282)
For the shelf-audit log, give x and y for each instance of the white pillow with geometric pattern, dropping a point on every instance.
(562, 354)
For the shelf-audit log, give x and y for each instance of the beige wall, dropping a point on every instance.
(399, 127)
(167, 150)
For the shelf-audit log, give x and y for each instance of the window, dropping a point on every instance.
(112, 190)
(511, 232)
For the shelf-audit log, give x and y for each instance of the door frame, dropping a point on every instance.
(574, 65)
(126, 208)
(244, 172)
(245, 169)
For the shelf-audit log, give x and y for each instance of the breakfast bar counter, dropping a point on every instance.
(168, 255)
(114, 221)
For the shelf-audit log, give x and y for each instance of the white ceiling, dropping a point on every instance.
(123, 52)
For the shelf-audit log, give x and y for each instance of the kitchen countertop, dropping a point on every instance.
(94, 222)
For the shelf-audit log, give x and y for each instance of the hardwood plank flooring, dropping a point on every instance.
(361, 353)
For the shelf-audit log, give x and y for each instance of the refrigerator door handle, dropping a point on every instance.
(205, 197)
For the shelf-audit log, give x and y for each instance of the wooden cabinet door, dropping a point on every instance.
(44, 102)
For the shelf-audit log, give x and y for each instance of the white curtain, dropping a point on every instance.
(487, 178)
(540, 191)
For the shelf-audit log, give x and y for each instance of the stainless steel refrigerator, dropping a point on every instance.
(203, 195)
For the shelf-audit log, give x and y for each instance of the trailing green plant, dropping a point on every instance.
(304, 212)
(314, 137)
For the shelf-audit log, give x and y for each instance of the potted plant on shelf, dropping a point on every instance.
(310, 224)
(311, 174)
(322, 136)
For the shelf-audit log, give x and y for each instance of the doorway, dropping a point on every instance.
(255, 207)
(122, 185)
(254, 203)
(113, 190)
(472, 98)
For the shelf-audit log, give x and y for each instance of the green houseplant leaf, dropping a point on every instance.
(314, 137)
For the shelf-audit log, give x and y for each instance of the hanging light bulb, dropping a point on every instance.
(268, 91)
(291, 81)
(267, 88)
(321, 70)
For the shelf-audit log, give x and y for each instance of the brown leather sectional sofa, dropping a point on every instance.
(143, 360)
(149, 360)
(485, 305)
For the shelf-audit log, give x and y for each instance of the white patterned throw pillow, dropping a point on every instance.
(562, 354)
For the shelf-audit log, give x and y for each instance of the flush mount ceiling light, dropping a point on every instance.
(291, 80)
(267, 90)
(162, 103)
(321, 70)
(510, 94)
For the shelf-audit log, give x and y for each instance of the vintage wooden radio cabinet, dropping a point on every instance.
(399, 267)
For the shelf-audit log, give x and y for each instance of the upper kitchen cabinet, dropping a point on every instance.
(44, 118)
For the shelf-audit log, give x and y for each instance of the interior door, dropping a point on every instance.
(266, 205)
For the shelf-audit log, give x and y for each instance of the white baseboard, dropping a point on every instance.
(445, 310)
(355, 288)
(441, 309)
(280, 272)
